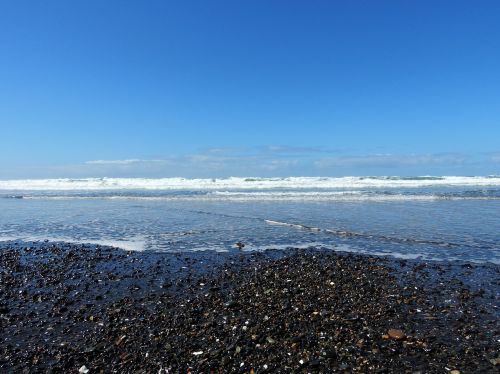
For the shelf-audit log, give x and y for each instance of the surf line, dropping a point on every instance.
(294, 225)
(338, 233)
(352, 234)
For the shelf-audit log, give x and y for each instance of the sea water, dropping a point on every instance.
(432, 218)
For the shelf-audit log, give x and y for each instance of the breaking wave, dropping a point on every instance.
(248, 196)
(234, 183)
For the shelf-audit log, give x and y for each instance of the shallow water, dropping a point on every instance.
(433, 220)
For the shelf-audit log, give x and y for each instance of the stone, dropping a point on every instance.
(396, 334)
(495, 361)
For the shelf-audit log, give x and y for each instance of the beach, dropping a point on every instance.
(249, 187)
(87, 308)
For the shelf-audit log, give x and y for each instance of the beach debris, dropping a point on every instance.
(83, 370)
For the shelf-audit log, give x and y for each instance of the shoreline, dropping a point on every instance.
(66, 307)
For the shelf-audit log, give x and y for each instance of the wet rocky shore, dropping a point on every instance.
(90, 309)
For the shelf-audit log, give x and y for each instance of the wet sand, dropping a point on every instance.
(70, 308)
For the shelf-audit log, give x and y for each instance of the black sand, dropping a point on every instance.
(65, 308)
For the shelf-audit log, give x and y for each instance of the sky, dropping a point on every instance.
(249, 88)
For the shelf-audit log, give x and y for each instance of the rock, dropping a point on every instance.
(331, 354)
(495, 361)
(396, 334)
(270, 340)
(231, 304)
(314, 363)
(279, 317)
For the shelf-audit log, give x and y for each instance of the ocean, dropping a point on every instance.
(430, 218)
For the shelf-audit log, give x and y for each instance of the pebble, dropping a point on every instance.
(396, 334)
(495, 361)
(241, 314)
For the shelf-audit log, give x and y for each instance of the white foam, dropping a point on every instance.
(6, 238)
(318, 196)
(129, 244)
(269, 196)
(294, 225)
(234, 183)
(284, 246)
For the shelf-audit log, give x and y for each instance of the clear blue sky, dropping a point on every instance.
(219, 88)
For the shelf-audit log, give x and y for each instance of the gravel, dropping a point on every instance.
(90, 309)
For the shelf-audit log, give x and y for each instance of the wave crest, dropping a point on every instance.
(234, 183)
